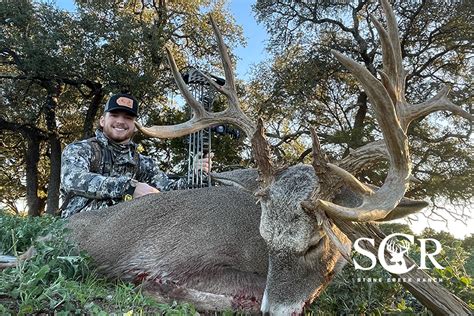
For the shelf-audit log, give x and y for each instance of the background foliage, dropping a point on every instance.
(57, 69)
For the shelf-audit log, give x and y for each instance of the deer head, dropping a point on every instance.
(299, 202)
(397, 252)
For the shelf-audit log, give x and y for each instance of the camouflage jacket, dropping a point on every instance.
(84, 189)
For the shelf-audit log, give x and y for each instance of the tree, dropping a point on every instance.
(304, 85)
(57, 67)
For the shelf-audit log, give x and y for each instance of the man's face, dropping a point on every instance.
(118, 126)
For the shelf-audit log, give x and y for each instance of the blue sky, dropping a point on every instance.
(255, 34)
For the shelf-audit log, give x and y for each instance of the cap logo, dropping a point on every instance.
(124, 101)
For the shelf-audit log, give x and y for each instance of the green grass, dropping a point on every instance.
(58, 280)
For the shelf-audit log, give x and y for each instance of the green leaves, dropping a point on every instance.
(465, 280)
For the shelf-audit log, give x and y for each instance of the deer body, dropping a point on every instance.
(204, 246)
(205, 239)
(216, 247)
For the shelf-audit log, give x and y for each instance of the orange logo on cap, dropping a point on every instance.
(124, 101)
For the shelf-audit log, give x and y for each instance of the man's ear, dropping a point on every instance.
(102, 121)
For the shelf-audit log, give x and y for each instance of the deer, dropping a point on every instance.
(397, 251)
(267, 239)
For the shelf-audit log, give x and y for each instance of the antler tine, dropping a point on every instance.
(213, 83)
(388, 55)
(393, 74)
(390, 82)
(320, 165)
(438, 103)
(351, 181)
(320, 161)
(392, 28)
(198, 120)
(226, 62)
(261, 154)
(202, 118)
(196, 106)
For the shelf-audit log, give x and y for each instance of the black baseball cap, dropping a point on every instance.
(122, 102)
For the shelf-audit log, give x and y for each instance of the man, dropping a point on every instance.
(107, 169)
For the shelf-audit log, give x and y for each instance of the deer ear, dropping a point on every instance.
(245, 179)
(404, 208)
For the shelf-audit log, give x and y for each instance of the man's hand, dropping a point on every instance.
(204, 164)
(143, 189)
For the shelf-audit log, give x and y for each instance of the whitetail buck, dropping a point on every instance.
(215, 248)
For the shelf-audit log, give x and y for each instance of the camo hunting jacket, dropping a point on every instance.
(85, 189)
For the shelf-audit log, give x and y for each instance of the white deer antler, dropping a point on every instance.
(398, 250)
(393, 114)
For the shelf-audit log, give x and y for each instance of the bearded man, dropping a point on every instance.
(107, 169)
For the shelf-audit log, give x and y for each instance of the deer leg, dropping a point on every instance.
(12, 261)
(167, 292)
(202, 301)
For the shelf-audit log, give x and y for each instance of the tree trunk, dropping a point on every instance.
(33, 137)
(32, 156)
(55, 149)
(42, 203)
(54, 175)
(356, 140)
(88, 127)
